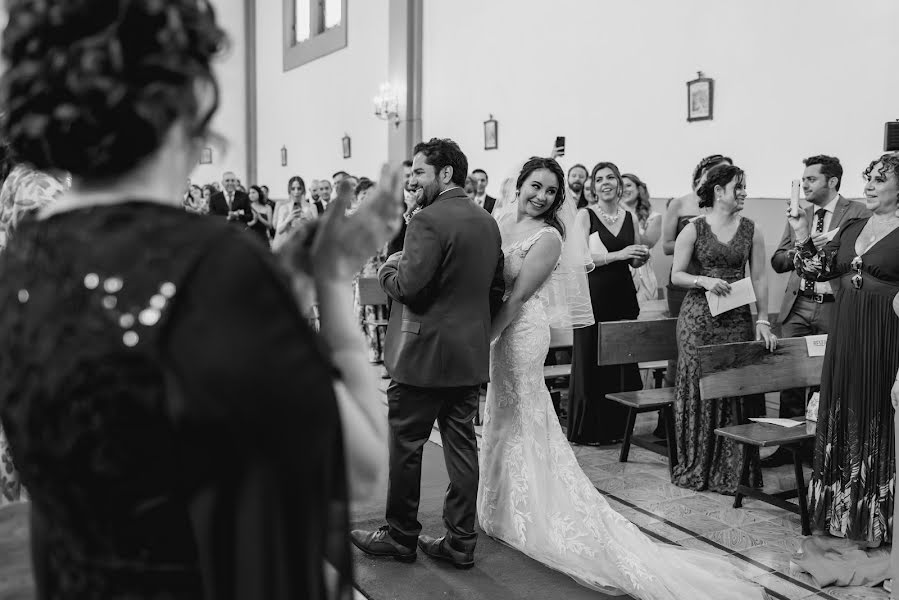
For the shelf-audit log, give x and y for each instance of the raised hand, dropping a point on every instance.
(799, 224)
(336, 246)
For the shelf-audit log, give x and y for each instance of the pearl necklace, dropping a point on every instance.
(610, 219)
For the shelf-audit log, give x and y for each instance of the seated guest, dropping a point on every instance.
(720, 243)
(635, 199)
(162, 462)
(807, 303)
(851, 492)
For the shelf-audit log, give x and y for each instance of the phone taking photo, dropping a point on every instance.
(560, 145)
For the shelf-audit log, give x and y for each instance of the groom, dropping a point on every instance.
(445, 285)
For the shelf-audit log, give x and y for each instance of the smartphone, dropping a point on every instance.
(560, 144)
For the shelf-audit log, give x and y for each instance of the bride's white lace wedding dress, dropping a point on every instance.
(534, 496)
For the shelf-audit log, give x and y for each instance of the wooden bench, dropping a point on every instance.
(371, 294)
(641, 341)
(747, 368)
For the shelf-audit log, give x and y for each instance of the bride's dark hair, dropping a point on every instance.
(93, 86)
(535, 163)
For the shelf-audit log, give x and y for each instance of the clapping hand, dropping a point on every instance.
(336, 246)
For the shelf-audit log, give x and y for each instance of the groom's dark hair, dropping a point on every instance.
(440, 153)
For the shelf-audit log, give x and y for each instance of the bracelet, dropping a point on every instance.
(762, 322)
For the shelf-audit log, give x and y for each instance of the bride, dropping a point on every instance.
(533, 495)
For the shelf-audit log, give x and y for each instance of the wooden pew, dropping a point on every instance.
(371, 294)
(747, 368)
(640, 341)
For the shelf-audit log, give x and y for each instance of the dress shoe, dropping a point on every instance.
(781, 457)
(440, 549)
(379, 543)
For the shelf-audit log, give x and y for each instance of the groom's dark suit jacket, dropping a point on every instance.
(445, 287)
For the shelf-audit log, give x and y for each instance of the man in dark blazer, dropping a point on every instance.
(807, 305)
(480, 197)
(445, 286)
(231, 202)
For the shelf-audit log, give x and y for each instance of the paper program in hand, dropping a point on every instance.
(741, 294)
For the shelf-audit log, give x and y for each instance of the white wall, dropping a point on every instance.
(791, 79)
(231, 119)
(310, 108)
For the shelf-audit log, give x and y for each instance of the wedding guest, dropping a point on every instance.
(231, 202)
(208, 191)
(470, 188)
(614, 242)
(808, 303)
(194, 202)
(481, 198)
(577, 179)
(719, 244)
(679, 212)
(160, 461)
(853, 454)
(367, 314)
(261, 223)
(635, 198)
(289, 213)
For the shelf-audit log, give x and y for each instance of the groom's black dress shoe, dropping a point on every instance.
(441, 549)
(379, 543)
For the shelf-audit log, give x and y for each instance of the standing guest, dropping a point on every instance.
(635, 199)
(194, 201)
(160, 462)
(577, 179)
(261, 223)
(481, 198)
(614, 243)
(851, 493)
(323, 193)
(338, 177)
(808, 303)
(208, 191)
(720, 244)
(471, 188)
(681, 211)
(231, 202)
(366, 314)
(288, 214)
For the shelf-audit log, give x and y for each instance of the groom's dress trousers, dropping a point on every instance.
(444, 288)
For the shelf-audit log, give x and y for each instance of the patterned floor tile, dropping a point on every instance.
(747, 569)
(857, 593)
(672, 534)
(694, 543)
(638, 518)
(678, 511)
(784, 587)
(656, 469)
(657, 493)
(775, 557)
(735, 539)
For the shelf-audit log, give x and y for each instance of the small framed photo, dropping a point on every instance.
(347, 147)
(206, 156)
(700, 98)
(490, 134)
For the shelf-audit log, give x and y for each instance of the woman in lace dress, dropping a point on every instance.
(532, 494)
(720, 244)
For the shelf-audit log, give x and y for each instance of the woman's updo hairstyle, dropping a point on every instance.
(720, 174)
(535, 163)
(93, 86)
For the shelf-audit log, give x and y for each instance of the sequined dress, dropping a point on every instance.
(534, 496)
(161, 460)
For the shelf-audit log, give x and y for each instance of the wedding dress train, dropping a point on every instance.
(534, 496)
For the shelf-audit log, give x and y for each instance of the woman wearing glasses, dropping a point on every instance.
(851, 492)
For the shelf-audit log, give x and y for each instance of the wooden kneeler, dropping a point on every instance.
(747, 368)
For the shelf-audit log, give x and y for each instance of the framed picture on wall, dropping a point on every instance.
(206, 156)
(700, 98)
(347, 148)
(490, 134)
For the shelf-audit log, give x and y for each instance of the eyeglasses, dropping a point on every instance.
(857, 279)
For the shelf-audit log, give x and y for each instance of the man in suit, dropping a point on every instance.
(577, 179)
(445, 286)
(807, 304)
(231, 202)
(480, 194)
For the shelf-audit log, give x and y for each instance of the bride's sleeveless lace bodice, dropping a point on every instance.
(534, 496)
